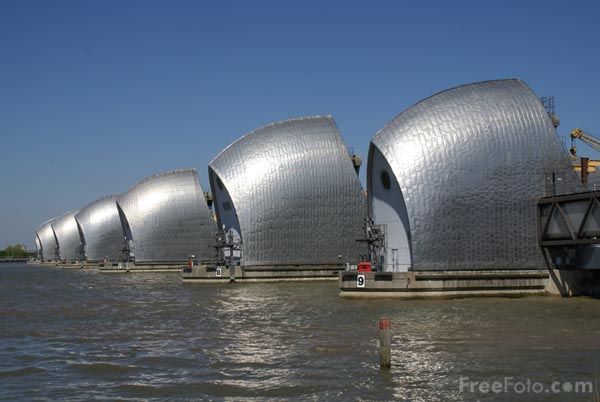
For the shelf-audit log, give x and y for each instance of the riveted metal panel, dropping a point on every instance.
(101, 229)
(295, 193)
(67, 236)
(169, 218)
(47, 240)
(471, 163)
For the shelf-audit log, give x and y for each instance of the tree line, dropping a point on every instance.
(16, 251)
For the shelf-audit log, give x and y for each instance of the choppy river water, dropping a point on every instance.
(81, 335)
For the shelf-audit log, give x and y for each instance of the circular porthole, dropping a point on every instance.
(385, 180)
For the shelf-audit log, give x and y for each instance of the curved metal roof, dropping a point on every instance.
(168, 217)
(67, 236)
(470, 163)
(47, 240)
(38, 245)
(101, 229)
(291, 192)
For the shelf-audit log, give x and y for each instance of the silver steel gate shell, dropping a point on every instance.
(169, 218)
(291, 192)
(465, 167)
(101, 230)
(67, 236)
(47, 240)
(38, 246)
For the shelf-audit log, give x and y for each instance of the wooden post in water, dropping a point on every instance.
(385, 340)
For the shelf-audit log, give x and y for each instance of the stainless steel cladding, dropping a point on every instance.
(47, 240)
(168, 219)
(455, 178)
(101, 230)
(38, 246)
(291, 192)
(67, 237)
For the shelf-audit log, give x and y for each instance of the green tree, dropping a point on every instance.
(16, 251)
(19, 251)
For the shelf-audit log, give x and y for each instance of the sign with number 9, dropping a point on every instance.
(360, 281)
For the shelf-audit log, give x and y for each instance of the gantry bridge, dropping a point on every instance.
(569, 213)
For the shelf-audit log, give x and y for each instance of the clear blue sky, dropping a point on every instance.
(97, 95)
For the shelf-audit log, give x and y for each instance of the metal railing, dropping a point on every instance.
(568, 183)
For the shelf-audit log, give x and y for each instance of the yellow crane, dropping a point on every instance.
(588, 139)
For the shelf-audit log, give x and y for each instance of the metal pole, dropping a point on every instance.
(231, 266)
(584, 171)
(385, 340)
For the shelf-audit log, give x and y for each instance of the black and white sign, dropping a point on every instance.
(360, 281)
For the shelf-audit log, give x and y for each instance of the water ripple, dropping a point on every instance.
(77, 335)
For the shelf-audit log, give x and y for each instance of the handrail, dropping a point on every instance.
(565, 184)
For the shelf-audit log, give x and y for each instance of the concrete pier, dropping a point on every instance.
(71, 264)
(443, 284)
(220, 274)
(130, 267)
(114, 267)
(574, 282)
(60, 264)
(458, 284)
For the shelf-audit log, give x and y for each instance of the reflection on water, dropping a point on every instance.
(76, 334)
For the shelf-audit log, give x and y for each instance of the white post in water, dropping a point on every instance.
(385, 339)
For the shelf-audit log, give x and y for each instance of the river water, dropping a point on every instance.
(80, 335)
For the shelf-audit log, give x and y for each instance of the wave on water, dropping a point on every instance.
(21, 371)
(101, 368)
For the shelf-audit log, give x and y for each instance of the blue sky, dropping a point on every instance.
(97, 95)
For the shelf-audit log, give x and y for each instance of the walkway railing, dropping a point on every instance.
(568, 183)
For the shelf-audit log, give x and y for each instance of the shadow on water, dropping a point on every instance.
(76, 334)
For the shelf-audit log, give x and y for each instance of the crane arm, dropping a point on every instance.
(587, 138)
